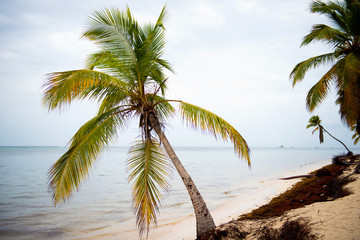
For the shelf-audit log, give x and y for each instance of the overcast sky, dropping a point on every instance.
(231, 57)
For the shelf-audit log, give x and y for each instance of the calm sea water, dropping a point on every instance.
(103, 203)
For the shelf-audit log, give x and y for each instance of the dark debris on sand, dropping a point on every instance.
(298, 229)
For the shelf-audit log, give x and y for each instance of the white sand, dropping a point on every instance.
(184, 228)
(331, 220)
(335, 220)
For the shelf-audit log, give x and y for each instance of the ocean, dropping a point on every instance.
(101, 209)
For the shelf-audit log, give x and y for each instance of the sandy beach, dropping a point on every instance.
(338, 219)
(184, 228)
(330, 220)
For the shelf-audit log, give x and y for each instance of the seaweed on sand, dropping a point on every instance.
(307, 191)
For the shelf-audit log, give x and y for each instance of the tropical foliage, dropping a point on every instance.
(149, 167)
(126, 77)
(315, 121)
(343, 36)
(356, 135)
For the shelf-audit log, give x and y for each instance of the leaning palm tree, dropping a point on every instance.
(315, 121)
(126, 77)
(344, 59)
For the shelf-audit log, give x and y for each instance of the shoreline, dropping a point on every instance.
(102, 207)
(333, 217)
(184, 228)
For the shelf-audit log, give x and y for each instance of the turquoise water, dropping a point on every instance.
(103, 203)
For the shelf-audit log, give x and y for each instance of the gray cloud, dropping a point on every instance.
(233, 58)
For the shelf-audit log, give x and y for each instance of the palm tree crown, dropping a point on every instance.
(344, 38)
(126, 77)
(315, 121)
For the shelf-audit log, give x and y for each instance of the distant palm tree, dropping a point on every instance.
(344, 60)
(315, 121)
(126, 78)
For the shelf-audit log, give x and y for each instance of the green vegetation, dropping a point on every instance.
(126, 77)
(315, 121)
(356, 135)
(344, 60)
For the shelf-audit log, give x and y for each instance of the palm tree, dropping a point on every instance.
(315, 121)
(126, 77)
(344, 59)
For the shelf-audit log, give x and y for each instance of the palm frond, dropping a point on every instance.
(150, 46)
(209, 122)
(298, 73)
(149, 169)
(71, 169)
(164, 63)
(351, 70)
(316, 129)
(113, 28)
(162, 17)
(349, 102)
(318, 92)
(354, 18)
(62, 88)
(112, 62)
(348, 86)
(356, 138)
(114, 98)
(322, 32)
(356, 135)
(321, 7)
(164, 109)
(115, 31)
(335, 11)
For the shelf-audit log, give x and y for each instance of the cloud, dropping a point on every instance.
(187, 21)
(35, 20)
(232, 57)
(70, 43)
(277, 9)
(253, 8)
(205, 14)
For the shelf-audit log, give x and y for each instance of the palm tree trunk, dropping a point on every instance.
(204, 221)
(337, 140)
